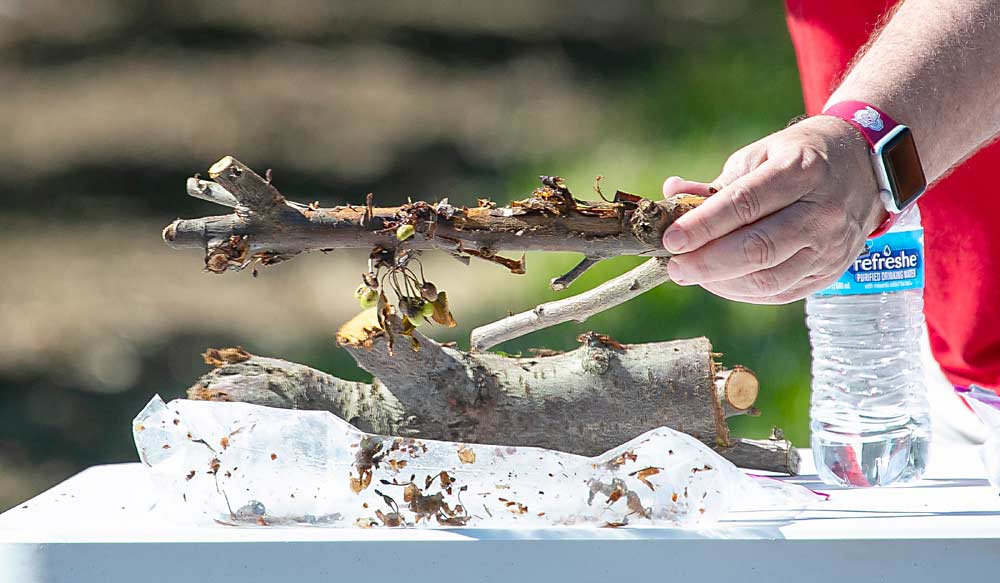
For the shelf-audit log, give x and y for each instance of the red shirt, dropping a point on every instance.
(960, 212)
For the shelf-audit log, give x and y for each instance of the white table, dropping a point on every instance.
(94, 528)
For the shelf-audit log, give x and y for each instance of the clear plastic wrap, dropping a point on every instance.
(235, 463)
(986, 404)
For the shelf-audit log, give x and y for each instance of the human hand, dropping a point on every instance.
(791, 213)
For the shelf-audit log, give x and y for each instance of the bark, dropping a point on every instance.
(585, 401)
(278, 383)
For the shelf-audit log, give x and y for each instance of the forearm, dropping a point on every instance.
(936, 68)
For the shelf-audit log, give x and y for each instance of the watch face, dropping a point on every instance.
(902, 168)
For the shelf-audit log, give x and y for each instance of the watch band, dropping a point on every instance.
(874, 124)
(884, 226)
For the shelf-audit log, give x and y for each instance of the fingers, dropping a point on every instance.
(797, 292)
(772, 281)
(677, 185)
(767, 189)
(767, 243)
(785, 223)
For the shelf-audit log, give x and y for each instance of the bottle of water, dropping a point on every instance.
(870, 423)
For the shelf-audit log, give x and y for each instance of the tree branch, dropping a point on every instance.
(266, 225)
(579, 307)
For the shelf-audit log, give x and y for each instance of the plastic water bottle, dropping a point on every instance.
(870, 423)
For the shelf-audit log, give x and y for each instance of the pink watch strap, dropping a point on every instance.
(884, 226)
(874, 124)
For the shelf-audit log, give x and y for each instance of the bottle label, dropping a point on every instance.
(892, 262)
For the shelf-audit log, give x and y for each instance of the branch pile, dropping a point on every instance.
(584, 401)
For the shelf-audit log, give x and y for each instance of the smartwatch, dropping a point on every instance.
(898, 171)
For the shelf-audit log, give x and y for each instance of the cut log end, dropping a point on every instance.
(170, 231)
(740, 388)
(216, 170)
(361, 330)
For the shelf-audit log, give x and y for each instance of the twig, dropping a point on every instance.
(579, 307)
(564, 281)
(210, 191)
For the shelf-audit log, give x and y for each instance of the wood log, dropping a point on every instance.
(601, 393)
(584, 401)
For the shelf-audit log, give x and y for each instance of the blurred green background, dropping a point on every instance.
(107, 106)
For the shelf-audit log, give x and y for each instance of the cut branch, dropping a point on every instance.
(579, 307)
(253, 193)
(487, 394)
(549, 220)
